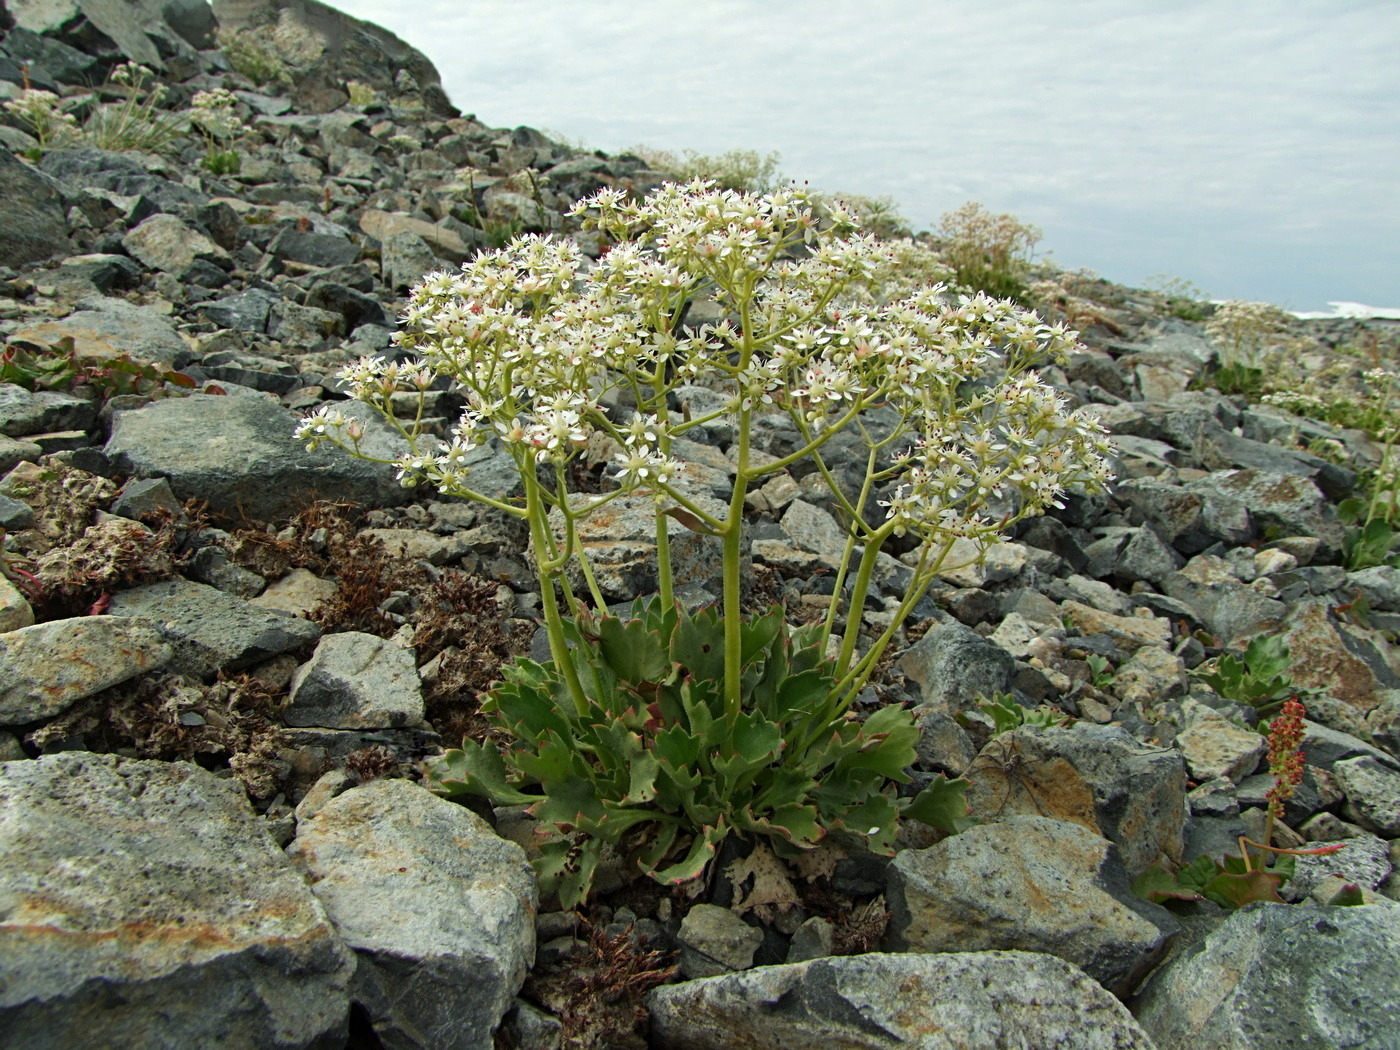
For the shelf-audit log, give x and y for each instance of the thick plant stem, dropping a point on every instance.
(549, 569)
(664, 584)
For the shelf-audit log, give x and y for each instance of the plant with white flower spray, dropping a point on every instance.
(664, 732)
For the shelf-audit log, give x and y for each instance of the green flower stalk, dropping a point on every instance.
(961, 438)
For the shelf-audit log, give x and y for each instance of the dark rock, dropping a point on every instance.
(32, 225)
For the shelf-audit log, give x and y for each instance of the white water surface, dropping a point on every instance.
(1252, 148)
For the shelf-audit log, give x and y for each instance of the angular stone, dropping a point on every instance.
(1281, 976)
(444, 243)
(298, 593)
(164, 242)
(1029, 884)
(714, 940)
(620, 540)
(1216, 748)
(1363, 859)
(15, 610)
(356, 681)
(109, 327)
(896, 1002)
(32, 226)
(1335, 658)
(238, 453)
(1288, 504)
(51, 666)
(954, 665)
(209, 630)
(813, 529)
(1127, 632)
(439, 910)
(968, 564)
(1373, 794)
(1100, 777)
(146, 906)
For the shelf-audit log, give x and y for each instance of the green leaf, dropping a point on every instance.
(645, 769)
(793, 824)
(1199, 872)
(1235, 891)
(474, 769)
(758, 634)
(698, 646)
(635, 653)
(702, 851)
(941, 804)
(1157, 885)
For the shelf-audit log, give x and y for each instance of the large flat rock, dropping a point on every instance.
(239, 454)
(142, 904)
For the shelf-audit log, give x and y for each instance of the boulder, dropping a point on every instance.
(896, 1002)
(238, 453)
(356, 681)
(1030, 884)
(439, 910)
(46, 668)
(1282, 976)
(32, 223)
(1100, 777)
(145, 905)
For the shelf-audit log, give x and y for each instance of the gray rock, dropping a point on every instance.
(1031, 884)
(211, 565)
(209, 630)
(239, 454)
(1284, 977)
(445, 244)
(32, 225)
(1373, 794)
(322, 48)
(814, 939)
(146, 906)
(439, 910)
(24, 412)
(1147, 557)
(356, 681)
(246, 311)
(131, 175)
(324, 250)
(714, 940)
(106, 328)
(1288, 504)
(1363, 859)
(1335, 657)
(51, 666)
(164, 242)
(896, 1002)
(1214, 747)
(15, 610)
(405, 259)
(1100, 777)
(953, 665)
(813, 529)
(943, 745)
(1380, 584)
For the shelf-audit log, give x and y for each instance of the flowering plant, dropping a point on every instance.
(960, 439)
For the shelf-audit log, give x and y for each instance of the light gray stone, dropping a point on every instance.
(31, 214)
(146, 906)
(1363, 859)
(1373, 794)
(1030, 884)
(356, 681)
(239, 454)
(1282, 976)
(51, 666)
(813, 529)
(1100, 777)
(439, 910)
(1214, 747)
(164, 242)
(108, 327)
(714, 940)
(209, 630)
(879, 1001)
(24, 412)
(953, 665)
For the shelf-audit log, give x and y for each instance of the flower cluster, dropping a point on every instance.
(553, 353)
(1286, 759)
(1243, 330)
(216, 113)
(42, 112)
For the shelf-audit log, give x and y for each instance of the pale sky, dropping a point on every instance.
(1251, 147)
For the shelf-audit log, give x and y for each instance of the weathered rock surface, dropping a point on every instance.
(1099, 777)
(1028, 883)
(145, 906)
(46, 668)
(356, 681)
(1281, 976)
(239, 454)
(439, 910)
(919, 1002)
